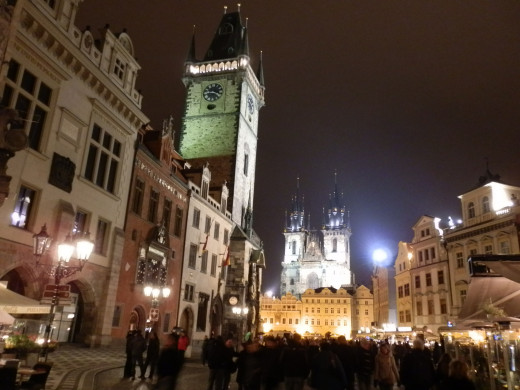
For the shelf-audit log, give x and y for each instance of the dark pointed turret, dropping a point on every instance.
(191, 57)
(335, 216)
(297, 214)
(228, 41)
(260, 71)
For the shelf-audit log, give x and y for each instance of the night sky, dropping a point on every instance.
(404, 99)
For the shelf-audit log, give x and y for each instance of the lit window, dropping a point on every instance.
(23, 207)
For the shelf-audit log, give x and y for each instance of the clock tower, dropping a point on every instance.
(220, 122)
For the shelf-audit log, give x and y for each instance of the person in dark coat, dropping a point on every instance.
(138, 348)
(249, 365)
(225, 364)
(327, 371)
(442, 371)
(458, 378)
(417, 370)
(271, 370)
(347, 355)
(169, 364)
(294, 363)
(128, 350)
(365, 364)
(152, 353)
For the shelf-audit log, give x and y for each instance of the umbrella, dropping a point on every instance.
(6, 318)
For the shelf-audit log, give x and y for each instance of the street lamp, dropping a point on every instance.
(155, 292)
(239, 311)
(79, 243)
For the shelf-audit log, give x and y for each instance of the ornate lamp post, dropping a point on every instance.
(79, 243)
(155, 292)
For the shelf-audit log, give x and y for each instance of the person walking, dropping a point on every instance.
(386, 373)
(152, 353)
(215, 345)
(458, 378)
(169, 364)
(417, 370)
(225, 366)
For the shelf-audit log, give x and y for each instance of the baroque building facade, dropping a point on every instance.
(320, 312)
(74, 91)
(314, 259)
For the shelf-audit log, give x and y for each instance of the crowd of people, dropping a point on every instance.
(165, 362)
(335, 364)
(291, 363)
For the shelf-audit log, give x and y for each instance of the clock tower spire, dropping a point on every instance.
(220, 121)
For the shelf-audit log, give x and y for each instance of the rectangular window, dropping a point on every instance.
(80, 222)
(419, 308)
(426, 254)
(440, 277)
(103, 159)
(428, 279)
(23, 207)
(192, 259)
(420, 256)
(431, 309)
(101, 237)
(407, 290)
(119, 69)
(188, 292)
(207, 227)
(226, 236)
(204, 262)
(504, 247)
(432, 253)
(444, 306)
(166, 322)
(366, 312)
(283, 321)
(246, 163)
(31, 98)
(401, 316)
(400, 292)
(177, 229)
(488, 249)
(196, 218)
(213, 265)
(153, 205)
(216, 231)
(462, 296)
(167, 214)
(417, 281)
(137, 201)
(460, 260)
(408, 316)
(202, 312)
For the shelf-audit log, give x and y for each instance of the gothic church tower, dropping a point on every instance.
(220, 123)
(314, 259)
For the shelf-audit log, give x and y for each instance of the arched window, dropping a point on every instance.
(485, 205)
(335, 245)
(226, 29)
(471, 210)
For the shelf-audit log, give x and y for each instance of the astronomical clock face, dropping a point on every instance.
(213, 92)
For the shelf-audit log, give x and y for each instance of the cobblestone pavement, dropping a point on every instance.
(79, 368)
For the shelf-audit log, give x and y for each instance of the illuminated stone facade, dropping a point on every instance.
(319, 312)
(314, 259)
